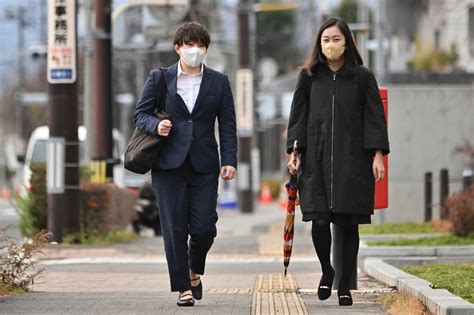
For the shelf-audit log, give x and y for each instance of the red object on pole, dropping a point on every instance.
(381, 188)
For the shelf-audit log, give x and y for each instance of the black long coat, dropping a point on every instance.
(338, 131)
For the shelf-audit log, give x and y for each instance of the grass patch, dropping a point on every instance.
(11, 291)
(99, 238)
(457, 279)
(402, 304)
(428, 241)
(397, 228)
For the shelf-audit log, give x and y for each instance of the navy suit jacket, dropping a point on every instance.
(193, 133)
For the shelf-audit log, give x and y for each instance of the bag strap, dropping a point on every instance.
(162, 90)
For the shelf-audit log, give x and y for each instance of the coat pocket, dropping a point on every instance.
(361, 159)
(356, 149)
(209, 141)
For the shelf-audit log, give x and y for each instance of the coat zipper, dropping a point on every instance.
(332, 143)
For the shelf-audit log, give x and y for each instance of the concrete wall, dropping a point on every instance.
(451, 19)
(426, 123)
(411, 20)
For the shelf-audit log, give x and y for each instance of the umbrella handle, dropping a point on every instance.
(295, 145)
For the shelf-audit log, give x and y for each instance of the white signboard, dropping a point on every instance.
(243, 176)
(61, 41)
(55, 155)
(244, 110)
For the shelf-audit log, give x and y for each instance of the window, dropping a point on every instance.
(39, 151)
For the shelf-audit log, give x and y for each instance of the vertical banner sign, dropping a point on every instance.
(55, 156)
(61, 41)
(244, 110)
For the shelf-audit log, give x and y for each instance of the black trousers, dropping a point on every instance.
(187, 202)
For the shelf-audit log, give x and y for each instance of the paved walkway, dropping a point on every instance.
(244, 275)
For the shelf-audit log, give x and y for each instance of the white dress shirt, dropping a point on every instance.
(187, 86)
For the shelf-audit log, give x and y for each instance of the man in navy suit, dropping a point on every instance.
(185, 178)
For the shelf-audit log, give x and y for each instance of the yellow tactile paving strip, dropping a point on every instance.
(275, 294)
(231, 291)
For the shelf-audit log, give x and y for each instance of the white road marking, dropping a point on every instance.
(144, 261)
(8, 212)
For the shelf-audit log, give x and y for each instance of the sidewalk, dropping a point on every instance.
(244, 275)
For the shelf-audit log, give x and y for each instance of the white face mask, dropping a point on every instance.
(193, 56)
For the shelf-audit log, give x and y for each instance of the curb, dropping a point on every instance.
(419, 251)
(396, 237)
(439, 301)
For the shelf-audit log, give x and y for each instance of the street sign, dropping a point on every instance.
(55, 155)
(244, 110)
(61, 41)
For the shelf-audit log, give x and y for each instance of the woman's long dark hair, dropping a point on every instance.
(352, 58)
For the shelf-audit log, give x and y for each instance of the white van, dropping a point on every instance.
(36, 152)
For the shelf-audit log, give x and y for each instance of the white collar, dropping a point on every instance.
(181, 70)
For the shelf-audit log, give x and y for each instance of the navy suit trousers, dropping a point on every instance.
(187, 201)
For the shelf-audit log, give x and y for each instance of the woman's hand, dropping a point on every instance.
(377, 167)
(164, 128)
(294, 163)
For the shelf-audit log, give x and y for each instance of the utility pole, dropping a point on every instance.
(22, 24)
(21, 18)
(245, 120)
(194, 12)
(88, 107)
(103, 85)
(362, 36)
(43, 26)
(19, 14)
(380, 56)
(63, 145)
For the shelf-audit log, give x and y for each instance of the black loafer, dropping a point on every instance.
(345, 299)
(197, 290)
(325, 287)
(185, 300)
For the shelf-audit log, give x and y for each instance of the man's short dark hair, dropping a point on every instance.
(192, 32)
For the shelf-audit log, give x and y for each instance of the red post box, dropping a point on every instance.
(381, 188)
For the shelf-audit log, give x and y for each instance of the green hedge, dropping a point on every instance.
(33, 207)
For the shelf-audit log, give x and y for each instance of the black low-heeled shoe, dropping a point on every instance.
(185, 300)
(197, 290)
(345, 299)
(325, 287)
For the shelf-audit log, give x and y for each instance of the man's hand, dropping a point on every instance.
(228, 172)
(164, 128)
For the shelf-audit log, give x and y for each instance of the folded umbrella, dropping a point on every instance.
(292, 189)
(288, 231)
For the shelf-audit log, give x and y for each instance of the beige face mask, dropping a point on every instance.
(333, 51)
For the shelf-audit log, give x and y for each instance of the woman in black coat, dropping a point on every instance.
(338, 119)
